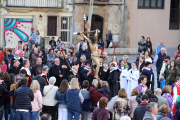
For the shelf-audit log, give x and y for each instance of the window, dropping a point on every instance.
(66, 23)
(174, 15)
(52, 26)
(152, 4)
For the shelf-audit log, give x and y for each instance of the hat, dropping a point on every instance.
(144, 96)
(178, 99)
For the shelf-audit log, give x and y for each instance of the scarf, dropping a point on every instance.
(17, 58)
(87, 68)
(112, 69)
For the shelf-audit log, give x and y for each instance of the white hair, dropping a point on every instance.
(125, 118)
(56, 59)
(52, 80)
(45, 68)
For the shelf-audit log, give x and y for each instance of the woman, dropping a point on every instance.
(83, 60)
(100, 44)
(100, 52)
(133, 76)
(167, 94)
(43, 56)
(148, 56)
(48, 99)
(94, 94)
(163, 111)
(25, 52)
(172, 73)
(59, 43)
(125, 108)
(50, 58)
(133, 101)
(61, 97)
(38, 38)
(62, 48)
(37, 102)
(141, 63)
(74, 100)
(83, 52)
(149, 45)
(101, 113)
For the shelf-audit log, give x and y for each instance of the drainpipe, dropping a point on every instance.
(73, 36)
(1, 26)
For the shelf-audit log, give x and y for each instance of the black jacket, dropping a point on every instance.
(3, 92)
(14, 70)
(50, 43)
(85, 77)
(142, 65)
(44, 59)
(20, 61)
(23, 97)
(64, 71)
(42, 82)
(140, 111)
(34, 68)
(152, 99)
(149, 45)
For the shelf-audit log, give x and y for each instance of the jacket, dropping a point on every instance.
(171, 75)
(161, 116)
(161, 101)
(100, 114)
(133, 103)
(148, 116)
(160, 61)
(83, 52)
(79, 48)
(44, 59)
(50, 59)
(52, 43)
(14, 70)
(86, 103)
(3, 92)
(101, 44)
(20, 61)
(153, 99)
(142, 44)
(104, 90)
(42, 82)
(26, 54)
(23, 97)
(33, 59)
(140, 111)
(85, 77)
(141, 66)
(109, 37)
(3, 68)
(1, 57)
(61, 97)
(149, 45)
(34, 68)
(37, 102)
(59, 44)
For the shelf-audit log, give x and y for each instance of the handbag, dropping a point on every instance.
(110, 45)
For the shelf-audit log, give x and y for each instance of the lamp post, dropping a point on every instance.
(84, 17)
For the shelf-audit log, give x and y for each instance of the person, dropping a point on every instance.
(100, 52)
(70, 58)
(64, 65)
(38, 38)
(28, 73)
(161, 100)
(152, 98)
(124, 73)
(163, 111)
(86, 104)
(61, 97)
(148, 72)
(148, 56)
(22, 101)
(140, 110)
(32, 38)
(1, 57)
(15, 68)
(62, 49)
(143, 81)
(3, 67)
(52, 42)
(113, 81)
(59, 43)
(104, 73)
(40, 79)
(106, 59)
(159, 47)
(17, 57)
(34, 57)
(50, 58)
(48, 100)
(133, 101)
(176, 90)
(45, 70)
(126, 58)
(125, 105)
(151, 111)
(177, 55)
(141, 63)
(83, 51)
(43, 56)
(10, 56)
(101, 113)
(80, 44)
(101, 44)
(94, 94)
(19, 45)
(25, 52)
(37, 65)
(104, 88)
(108, 38)
(56, 71)
(165, 66)
(37, 102)
(142, 44)
(167, 94)
(32, 50)
(149, 44)
(132, 77)
(74, 100)
(175, 108)
(46, 116)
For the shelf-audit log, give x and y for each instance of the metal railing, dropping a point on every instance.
(35, 3)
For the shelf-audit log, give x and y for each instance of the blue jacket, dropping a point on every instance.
(108, 37)
(160, 61)
(10, 57)
(83, 52)
(86, 103)
(104, 90)
(61, 97)
(73, 101)
(101, 44)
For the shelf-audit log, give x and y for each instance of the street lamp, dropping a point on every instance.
(84, 17)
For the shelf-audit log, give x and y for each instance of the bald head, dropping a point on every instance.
(163, 50)
(158, 91)
(161, 43)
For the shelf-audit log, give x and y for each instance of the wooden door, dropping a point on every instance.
(97, 23)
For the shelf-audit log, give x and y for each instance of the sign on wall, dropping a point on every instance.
(16, 30)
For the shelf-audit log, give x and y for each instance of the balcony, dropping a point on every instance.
(35, 3)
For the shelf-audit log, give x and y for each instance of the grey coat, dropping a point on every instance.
(162, 116)
(161, 101)
(148, 116)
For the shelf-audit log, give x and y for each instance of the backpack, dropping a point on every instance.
(177, 115)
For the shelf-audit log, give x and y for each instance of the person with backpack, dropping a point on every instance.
(163, 111)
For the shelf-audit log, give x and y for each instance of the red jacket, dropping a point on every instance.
(100, 114)
(176, 55)
(1, 57)
(3, 68)
(95, 95)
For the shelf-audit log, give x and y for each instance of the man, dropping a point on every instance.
(108, 38)
(161, 100)
(158, 61)
(34, 57)
(46, 116)
(152, 98)
(141, 109)
(80, 44)
(17, 57)
(52, 43)
(22, 74)
(45, 70)
(106, 59)
(56, 71)
(32, 51)
(37, 65)
(86, 73)
(70, 58)
(22, 101)
(142, 85)
(64, 65)
(15, 68)
(32, 38)
(176, 89)
(151, 111)
(165, 66)
(40, 79)
(28, 75)
(159, 47)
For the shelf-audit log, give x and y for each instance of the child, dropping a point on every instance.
(162, 80)
(19, 45)
(104, 88)
(86, 104)
(3, 67)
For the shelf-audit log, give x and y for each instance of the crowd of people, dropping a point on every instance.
(59, 84)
